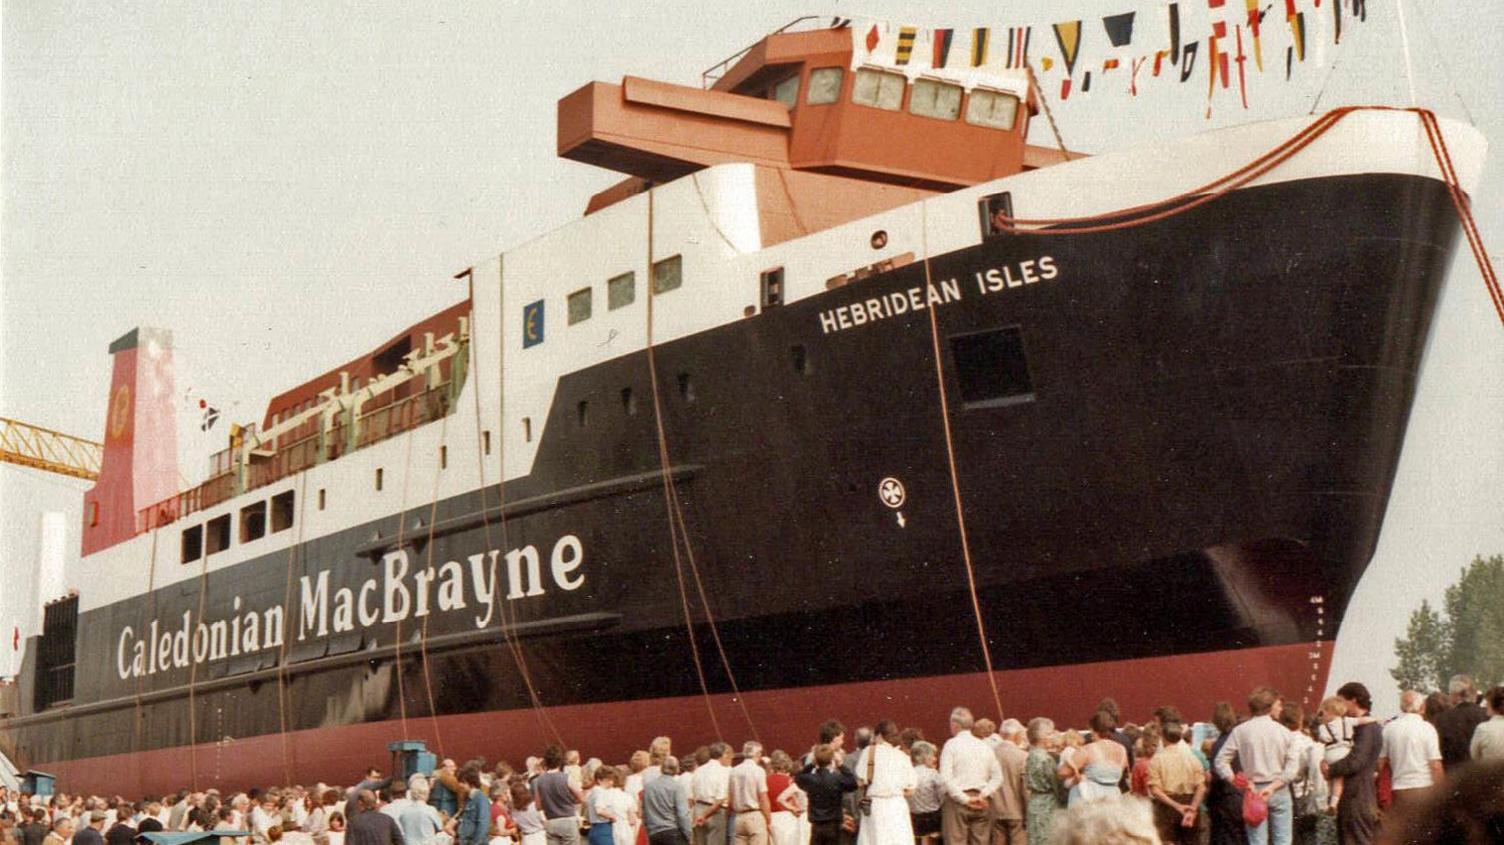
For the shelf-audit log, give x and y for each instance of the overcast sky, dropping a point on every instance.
(284, 185)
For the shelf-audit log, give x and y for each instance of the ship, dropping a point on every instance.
(790, 424)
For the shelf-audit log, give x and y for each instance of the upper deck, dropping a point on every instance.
(810, 101)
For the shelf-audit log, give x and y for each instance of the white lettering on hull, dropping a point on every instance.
(394, 596)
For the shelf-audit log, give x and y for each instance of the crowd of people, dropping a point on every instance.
(1435, 773)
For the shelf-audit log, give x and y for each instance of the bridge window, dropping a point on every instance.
(621, 291)
(668, 274)
(825, 85)
(878, 88)
(579, 306)
(932, 98)
(991, 108)
(786, 92)
(992, 368)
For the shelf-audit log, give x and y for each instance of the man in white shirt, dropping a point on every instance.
(1268, 755)
(747, 790)
(1413, 749)
(971, 773)
(709, 790)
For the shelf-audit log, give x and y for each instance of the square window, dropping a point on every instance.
(935, 99)
(253, 522)
(579, 306)
(193, 543)
(992, 368)
(825, 85)
(282, 511)
(668, 274)
(621, 291)
(991, 108)
(217, 534)
(878, 88)
(787, 91)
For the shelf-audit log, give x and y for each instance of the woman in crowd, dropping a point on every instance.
(1303, 788)
(1100, 764)
(1224, 802)
(335, 835)
(889, 777)
(1070, 743)
(526, 815)
(783, 823)
(1042, 781)
(1143, 749)
(600, 809)
(928, 795)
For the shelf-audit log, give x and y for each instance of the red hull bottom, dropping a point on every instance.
(784, 718)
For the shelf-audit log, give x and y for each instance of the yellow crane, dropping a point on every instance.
(48, 450)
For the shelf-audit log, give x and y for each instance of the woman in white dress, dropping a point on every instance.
(888, 777)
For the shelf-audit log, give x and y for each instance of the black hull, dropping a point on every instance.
(1217, 410)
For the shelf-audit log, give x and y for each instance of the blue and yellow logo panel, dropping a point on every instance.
(532, 324)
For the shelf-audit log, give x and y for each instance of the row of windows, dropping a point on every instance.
(621, 290)
(885, 90)
(255, 519)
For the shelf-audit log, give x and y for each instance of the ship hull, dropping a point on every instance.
(1171, 504)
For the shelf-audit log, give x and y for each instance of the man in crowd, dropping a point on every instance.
(370, 828)
(1010, 798)
(1413, 749)
(442, 797)
(1488, 738)
(558, 799)
(35, 830)
(62, 831)
(417, 818)
(92, 831)
(665, 806)
(1177, 782)
(710, 792)
(1358, 811)
(826, 784)
(747, 792)
(473, 826)
(971, 773)
(1456, 724)
(1266, 750)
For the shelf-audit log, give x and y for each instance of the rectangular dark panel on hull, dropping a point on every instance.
(56, 653)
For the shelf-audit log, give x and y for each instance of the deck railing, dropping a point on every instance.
(269, 463)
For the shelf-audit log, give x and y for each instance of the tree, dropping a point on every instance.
(1466, 636)
(1421, 652)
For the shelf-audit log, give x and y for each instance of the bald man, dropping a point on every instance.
(1413, 749)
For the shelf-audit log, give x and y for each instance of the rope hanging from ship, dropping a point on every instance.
(677, 526)
(1180, 203)
(508, 632)
(955, 484)
(294, 552)
(407, 462)
(151, 612)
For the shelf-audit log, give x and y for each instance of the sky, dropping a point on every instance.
(283, 185)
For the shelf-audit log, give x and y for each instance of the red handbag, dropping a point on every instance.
(1255, 808)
